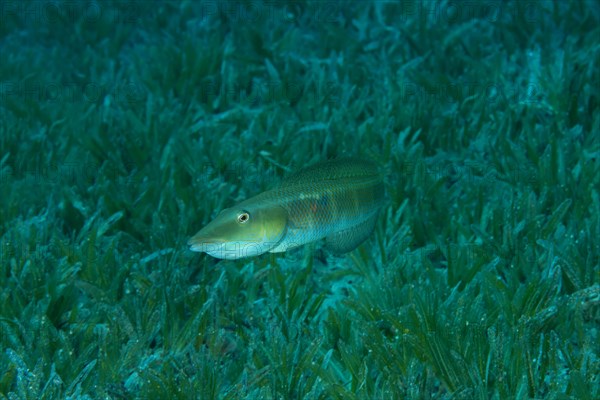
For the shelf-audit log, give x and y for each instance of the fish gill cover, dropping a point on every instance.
(125, 126)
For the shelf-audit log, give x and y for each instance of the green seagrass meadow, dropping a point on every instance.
(126, 126)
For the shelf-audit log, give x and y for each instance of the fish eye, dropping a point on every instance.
(243, 217)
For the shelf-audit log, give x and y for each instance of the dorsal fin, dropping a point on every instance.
(332, 170)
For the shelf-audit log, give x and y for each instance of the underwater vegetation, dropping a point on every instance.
(125, 126)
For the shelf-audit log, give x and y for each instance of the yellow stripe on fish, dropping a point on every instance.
(336, 200)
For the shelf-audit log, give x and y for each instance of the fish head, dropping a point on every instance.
(241, 231)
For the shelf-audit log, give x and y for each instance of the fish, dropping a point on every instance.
(336, 200)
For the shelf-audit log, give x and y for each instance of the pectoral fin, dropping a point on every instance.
(349, 239)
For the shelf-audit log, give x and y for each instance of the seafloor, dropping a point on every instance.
(125, 126)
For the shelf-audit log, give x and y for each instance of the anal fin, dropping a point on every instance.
(349, 239)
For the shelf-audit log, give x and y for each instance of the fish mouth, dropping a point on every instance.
(202, 244)
(226, 249)
(217, 249)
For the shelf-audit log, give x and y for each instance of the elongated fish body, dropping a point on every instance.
(336, 200)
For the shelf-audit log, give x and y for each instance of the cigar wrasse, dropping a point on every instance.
(337, 200)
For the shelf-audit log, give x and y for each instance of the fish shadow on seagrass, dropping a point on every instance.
(336, 200)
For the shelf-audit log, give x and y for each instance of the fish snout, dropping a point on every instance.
(227, 249)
